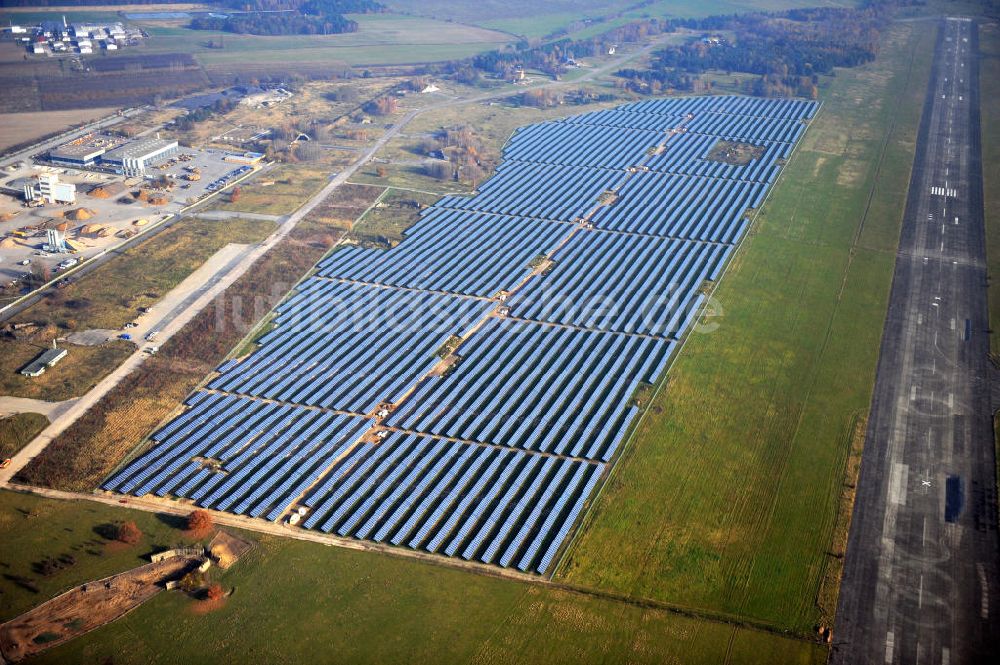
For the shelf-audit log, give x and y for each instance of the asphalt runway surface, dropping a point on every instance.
(922, 571)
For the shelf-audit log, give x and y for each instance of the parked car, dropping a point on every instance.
(125, 336)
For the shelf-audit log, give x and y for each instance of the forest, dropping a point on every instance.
(287, 17)
(787, 50)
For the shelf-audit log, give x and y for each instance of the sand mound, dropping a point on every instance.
(80, 214)
(8, 243)
(140, 222)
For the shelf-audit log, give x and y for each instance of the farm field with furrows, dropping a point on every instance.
(731, 496)
(509, 355)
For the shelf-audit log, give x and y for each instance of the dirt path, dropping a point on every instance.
(86, 607)
(51, 410)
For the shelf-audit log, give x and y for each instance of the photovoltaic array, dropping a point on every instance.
(463, 392)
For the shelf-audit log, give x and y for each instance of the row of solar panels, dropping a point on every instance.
(621, 283)
(466, 467)
(437, 257)
(480, 503)
(256, 458)
(322, 353)
(538, 387)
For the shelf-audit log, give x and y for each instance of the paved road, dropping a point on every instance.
(922, 574)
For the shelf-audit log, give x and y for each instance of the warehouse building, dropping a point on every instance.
(83, 151)
(45, 360)
(132, 158)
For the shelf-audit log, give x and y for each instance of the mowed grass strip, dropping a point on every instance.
(989, 92)
(726, 498)
(311, 603)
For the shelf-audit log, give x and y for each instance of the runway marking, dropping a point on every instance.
(889, 644)
(920, 592)
(951, 401)
(984, 594)
(945, 656)
(897, 484)
(943, 191)
(913, 392)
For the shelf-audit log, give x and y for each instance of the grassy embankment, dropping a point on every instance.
(293, 601)
(109, 297)
(728, 496)
(989, 92)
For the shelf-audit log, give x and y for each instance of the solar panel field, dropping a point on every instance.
(463, 392)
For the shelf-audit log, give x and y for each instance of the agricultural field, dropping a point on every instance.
(285, 589)
(22, 128)
(380, 39)
(728, 492)
(107, 298)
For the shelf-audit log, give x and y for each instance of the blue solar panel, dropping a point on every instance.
(569, 277)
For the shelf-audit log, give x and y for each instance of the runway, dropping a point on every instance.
(922, 571)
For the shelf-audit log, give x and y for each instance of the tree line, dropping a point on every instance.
(287, 17)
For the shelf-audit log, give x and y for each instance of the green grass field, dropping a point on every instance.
(294, 600)
(989, 81)
(727, 496)
(380, 39)
(520, 17)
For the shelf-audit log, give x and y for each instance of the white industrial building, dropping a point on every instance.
(132, 158)
(49, 189)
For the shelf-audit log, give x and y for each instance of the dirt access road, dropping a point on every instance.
(86, 607)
